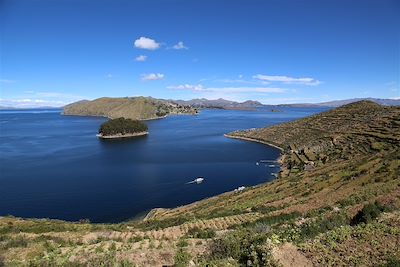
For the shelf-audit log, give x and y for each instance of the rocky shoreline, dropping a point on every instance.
(117, 136)
(252, 140)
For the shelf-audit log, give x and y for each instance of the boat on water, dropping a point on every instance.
(198, 180)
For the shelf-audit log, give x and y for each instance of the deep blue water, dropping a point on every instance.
(53, 166)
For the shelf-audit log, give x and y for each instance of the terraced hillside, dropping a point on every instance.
(139, 108)
(359, 128)
(336, 203)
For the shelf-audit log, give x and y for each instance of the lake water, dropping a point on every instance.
(53, 166)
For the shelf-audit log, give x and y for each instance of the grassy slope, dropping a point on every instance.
(141, 108)
(355, 152)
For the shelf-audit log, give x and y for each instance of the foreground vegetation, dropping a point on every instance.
(335, 203)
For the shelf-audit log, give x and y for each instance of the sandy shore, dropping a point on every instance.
(121, 135)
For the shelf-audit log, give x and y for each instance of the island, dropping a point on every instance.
(122, 128)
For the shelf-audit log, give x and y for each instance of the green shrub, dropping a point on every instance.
(182, 258)
(182, 243)
(161, 224)
(263, 209)
(196, 232)
(368, 213)
(135, 239)
(392, 262)
(276, 219)
(322, 225)
(244, 246)
(19, 241)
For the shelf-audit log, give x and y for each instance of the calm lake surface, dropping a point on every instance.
(53, 166)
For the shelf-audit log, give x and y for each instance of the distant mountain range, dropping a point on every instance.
(338, 103)
(246, 105)
(20, 108)
(219, 103)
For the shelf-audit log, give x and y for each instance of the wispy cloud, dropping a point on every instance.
(240, 80)
(190, 87)
(63, 96)
(201, 88)
(179, 46)
(109, 76)
(152, 76)
(141, 58)
(287, 79)
(6, 81)
(30, 103)
(146, 43)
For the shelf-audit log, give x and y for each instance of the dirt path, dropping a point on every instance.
(289, 256)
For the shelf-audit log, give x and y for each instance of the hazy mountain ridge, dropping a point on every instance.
(219, 103)
(338, 103)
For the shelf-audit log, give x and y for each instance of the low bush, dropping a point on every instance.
(182, 243)
(161, 224)
(276, 219)
(392, 261)
(368, 213)
(245, 246)
(263, 209)
(196, 232)
(322, 225)
(14, 242)
(182, 258)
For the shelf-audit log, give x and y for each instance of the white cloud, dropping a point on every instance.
(286, 79)
(109, 76)
(141, 58)
(179, 46)
(6, 81)
(32, 99)
(152, 76)
(190, 87)
(146, 43)
(63, 96)
(200, 88)
(240, 80)
(30, 103)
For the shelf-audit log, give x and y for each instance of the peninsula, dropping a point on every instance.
(136, 108)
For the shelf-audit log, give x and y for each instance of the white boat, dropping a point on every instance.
(198, 180)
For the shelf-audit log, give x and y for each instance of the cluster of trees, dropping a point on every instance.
(122, 126)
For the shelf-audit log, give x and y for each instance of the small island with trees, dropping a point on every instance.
(122, 128)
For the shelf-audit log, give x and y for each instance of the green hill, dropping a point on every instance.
(336, 203)
(140, 108)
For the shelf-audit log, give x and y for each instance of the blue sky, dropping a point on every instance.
(54, 52)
